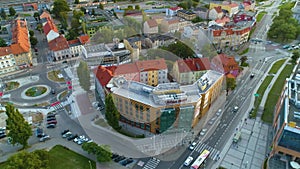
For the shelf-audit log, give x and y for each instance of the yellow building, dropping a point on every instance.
(232, 8)
(168, 105)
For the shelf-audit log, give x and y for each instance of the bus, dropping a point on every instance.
(237, 137)
(199, 162)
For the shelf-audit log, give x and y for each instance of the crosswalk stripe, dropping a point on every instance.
(213, 151)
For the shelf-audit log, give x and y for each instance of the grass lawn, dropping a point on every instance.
(53, 75)
(260, 16)
(62, 158)
(261, 90)
(275, 93)
(276, 66)
(12, 85)
(63, 95)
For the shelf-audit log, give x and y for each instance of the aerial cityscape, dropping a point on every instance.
(116, 84)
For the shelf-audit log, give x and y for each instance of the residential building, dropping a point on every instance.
(201, 12)
(188, 71)
(222, 21)
(187, 15)
(45, 15)
(215, 13)
(20, 45)
(50, 30)
(7, 61)
(150, 27)
(76, 45)
(59, 49)
(226, 65)
(244, 16)
(286, 120)
(158, 40)
(172, 11)
(248, 5)
(166, 106)
(172, 25)
(230, 7)
(158, 18)
(134, 45)
(296, 11)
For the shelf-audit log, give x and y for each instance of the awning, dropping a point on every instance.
(294, 165)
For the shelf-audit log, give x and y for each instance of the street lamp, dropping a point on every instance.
(90, 164)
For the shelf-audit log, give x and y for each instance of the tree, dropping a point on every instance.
(12, 11)
(3, 14)
(102, 152)
(37, 159)
(180, 49)
(31, 33)
(111, 113)
(93, 11)
(2, 43)
(33, 41)
(243, 61)
(19, 129)
(60, 7)
(137, 7)
(84, 75)
(36, 15)
(230, 83)
(101, 6)
(295, 56)
(76, 2)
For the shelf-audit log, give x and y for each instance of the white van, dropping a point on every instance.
(188, 161)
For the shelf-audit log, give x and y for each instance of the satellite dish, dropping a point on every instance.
(109, 85)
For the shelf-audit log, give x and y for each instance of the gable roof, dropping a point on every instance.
(152, 23)
(193, 64)
(59, 43)
(228, 63)
(148, 65)
(20, 40)
(83, 39)
(46, 15)
(104, 74)
(49, 26)
(5, 51)
(175, 8)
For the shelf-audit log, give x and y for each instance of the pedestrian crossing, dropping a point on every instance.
(152, 163)
(214, 153)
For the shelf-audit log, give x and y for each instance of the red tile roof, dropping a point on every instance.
(5, 51)
(59, 43)
(152, 23)
(20, 40)
(45, 14)
(173, 21)
(126, 69)
(228, 63)
(176, 8)
(219, 32)
(104, 74)
(71, 42)
(84, 39)
(148, 65)
(49, 26)
(193, 64)
(223, 20)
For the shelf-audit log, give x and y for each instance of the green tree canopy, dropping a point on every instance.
(295, 56)
(31, 33)
(230, 83)
(12, 11)
(180, 49)
(2, 43)
(60, 7)
(111, 113)
(102, 152)
(208, 50)
(76, 2)
(33, 41)
(36, 15)
(37, 159)
(84, 75)
(101, 6)
(3, 14)
(19, 129)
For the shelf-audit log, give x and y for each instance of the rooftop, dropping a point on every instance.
(59, 43)
(172, 93)
(186, 12)
(193, 64)
(20, 41)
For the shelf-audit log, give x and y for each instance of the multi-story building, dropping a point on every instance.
(59, 48)
(244, 16)
(215, 13)
(286, 122)
(172, 11)
(157, 40)
(188, 71)
(229, 7)
(20, 45)
(226, 65)
(166, 106)
(172, 25)
(50, 30)
(187, 15)
(76, 45)
(150, 27)
(7, 61)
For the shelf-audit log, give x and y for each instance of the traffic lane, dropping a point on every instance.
(179, 162)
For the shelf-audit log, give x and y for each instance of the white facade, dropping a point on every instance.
(76, 50)
(7, 64)
(61, 54)
(52, 35)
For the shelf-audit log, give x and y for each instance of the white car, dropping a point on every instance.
(219, 112)
(203, 131)
(188, 161)
(44, 138)
(192, 146)
(235, 109)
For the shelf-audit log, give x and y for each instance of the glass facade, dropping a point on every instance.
(290, 140)
(167, 119)
(185, 117)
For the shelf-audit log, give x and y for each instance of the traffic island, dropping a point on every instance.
(35, 92)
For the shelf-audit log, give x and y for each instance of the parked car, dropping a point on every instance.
(52, 122)
(51, 125)
(39, 132)
(65, 131)
(67, 134)
(50, 115)
(51, 118)
(126, 162)
(2, 135)
(120, 158)
(114, 156)
(192, 146)
(44, 138)
(71, 137)
(285, 46)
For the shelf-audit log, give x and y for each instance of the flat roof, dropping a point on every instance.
(145, 94)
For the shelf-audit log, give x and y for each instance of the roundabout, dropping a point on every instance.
(36, 92)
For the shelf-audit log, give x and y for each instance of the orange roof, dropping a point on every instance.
(219, 32)
(231, 76)
(232, 5)
(45, 14)
(173, 21)
(147, 65)
(5, 51)
(126, 69)
(224, 20)
(228, 63)
(152, 23)
(84, 39)
(104, 74)
(71, 42)
(193, 64)
(20, 40)
(59, 43)
(49, 26)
